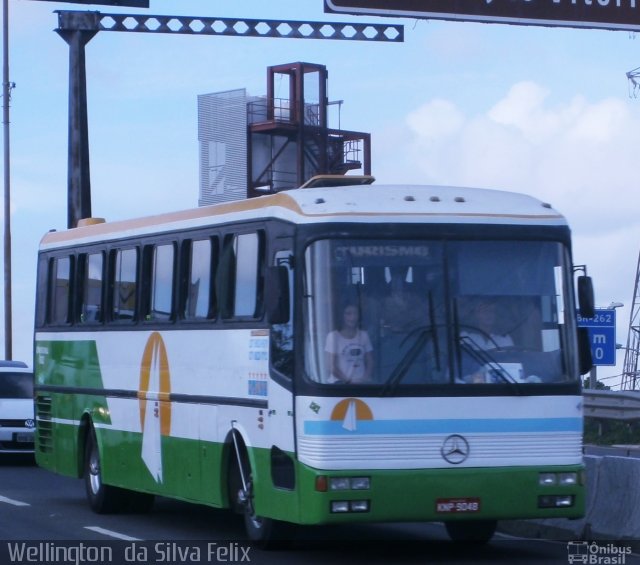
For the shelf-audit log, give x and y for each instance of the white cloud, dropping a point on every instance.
(578, 155)
(435, 120)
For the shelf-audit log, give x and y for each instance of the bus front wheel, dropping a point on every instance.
(259, 530)
(474, 531)
(265, 533)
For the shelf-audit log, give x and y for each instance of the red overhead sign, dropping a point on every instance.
(603, 14)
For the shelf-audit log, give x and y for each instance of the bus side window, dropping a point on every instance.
(249, 279)
(125, 283)
(225, 282)
(199, 297)
(240, 279)
(60, 290)
(91, 281)
(161, 276)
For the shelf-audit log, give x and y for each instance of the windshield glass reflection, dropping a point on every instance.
(399, 313)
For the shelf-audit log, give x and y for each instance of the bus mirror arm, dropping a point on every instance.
(277, 295)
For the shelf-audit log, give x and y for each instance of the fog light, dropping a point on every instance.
(546, 501)
(547, 479)
(555, 501)
(564, 501)
(339, 506)
(359, 506)
(567, 479)
(339, 483)
(360, 483)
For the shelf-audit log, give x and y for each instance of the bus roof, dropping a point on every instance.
(362, 204)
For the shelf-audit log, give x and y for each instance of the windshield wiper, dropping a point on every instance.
(424, 332)
(407, 360)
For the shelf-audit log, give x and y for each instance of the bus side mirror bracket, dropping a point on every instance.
(277, 298)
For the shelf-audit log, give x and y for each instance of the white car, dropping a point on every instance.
(17, 422)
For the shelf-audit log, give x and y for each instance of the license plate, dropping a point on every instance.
(457, 505)
(23, 437)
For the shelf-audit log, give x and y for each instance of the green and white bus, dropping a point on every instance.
(195, 355)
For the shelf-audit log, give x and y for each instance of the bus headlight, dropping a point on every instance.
(360, 483)
(339, 483)
(349, 483)
(567, 479)
(562, 479)
(547, 479)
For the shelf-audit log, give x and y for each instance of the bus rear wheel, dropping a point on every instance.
(473, 531)
(103, 499)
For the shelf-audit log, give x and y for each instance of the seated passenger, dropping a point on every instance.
(349, 350)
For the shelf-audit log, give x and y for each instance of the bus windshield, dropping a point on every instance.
(398, 313)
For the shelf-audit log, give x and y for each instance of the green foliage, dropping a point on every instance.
(599, 385)
(611, 432)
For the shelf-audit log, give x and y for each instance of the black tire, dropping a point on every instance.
(265, 533)
(471, 531)
(103, 499)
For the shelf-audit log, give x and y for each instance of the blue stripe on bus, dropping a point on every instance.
(452, 426)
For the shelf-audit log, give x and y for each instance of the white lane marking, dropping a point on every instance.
(14, 502)
(111, 533)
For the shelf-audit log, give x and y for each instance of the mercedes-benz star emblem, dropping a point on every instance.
(455, 449)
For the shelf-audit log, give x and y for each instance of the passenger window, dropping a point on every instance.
(162, 277)
(60, 290)
(248, 275)
(199, 302)
(239, 281)
(92, 278)
(125, 285)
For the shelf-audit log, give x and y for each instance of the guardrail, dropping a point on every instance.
(612, 404)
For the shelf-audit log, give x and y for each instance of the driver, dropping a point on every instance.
(483, 334)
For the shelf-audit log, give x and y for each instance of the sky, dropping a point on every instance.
(544, 111)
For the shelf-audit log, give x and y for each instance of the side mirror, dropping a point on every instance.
(586, 300)
(585, 360)
(277, 295)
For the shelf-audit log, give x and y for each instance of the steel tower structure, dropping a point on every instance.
(632, 351)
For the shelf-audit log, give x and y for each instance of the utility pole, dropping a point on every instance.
(6, 95)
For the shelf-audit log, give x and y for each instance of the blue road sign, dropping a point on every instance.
(602, 335)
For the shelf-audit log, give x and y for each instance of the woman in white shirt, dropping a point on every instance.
(349, 350)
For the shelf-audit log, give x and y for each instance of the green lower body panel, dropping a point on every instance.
(425, 495)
